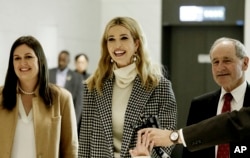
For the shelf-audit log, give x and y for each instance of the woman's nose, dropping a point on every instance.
(117, 44)
(23, 62)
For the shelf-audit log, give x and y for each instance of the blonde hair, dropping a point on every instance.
(149, 74)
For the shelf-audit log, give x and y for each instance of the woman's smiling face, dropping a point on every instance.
(25, 63)
(121, 45)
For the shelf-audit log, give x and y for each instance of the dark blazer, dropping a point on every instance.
(230, 127)
(75, 86)
(96, 138)
(85, 75)
(204, 107)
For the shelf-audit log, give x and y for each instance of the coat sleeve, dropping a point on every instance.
(85, 131)
(78, 99)
(69, 139)
(223, 128)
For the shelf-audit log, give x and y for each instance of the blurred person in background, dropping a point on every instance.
(64, 77)
(81, 65)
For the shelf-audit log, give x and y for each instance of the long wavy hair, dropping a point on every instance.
(11, 79)
(149, 74)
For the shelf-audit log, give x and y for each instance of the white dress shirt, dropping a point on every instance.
(61, 77)
(238, 98)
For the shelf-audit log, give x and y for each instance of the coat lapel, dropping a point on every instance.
(52, 75)
(42, 121)
(137, 101)
(68, 80)
(246, 102)
(104, 105)
(213, 105)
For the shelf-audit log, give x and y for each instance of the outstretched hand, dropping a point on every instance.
(160, 137)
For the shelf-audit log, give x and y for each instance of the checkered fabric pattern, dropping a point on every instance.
(96, 140)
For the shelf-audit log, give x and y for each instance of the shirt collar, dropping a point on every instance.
(237, 93)
(65, 71)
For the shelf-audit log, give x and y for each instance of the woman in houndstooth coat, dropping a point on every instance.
(125, 88)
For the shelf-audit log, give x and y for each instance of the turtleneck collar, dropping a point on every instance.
(125, 75)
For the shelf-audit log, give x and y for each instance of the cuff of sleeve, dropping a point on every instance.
(182, 138)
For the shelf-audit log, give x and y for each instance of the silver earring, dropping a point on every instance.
(111, 60)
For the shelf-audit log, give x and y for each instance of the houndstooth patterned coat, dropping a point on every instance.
(96, 140)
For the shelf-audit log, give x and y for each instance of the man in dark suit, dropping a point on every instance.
(229, 63)
(70, 80)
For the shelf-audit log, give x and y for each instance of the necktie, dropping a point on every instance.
(223, 149)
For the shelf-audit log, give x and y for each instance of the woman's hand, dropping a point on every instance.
(143, 146)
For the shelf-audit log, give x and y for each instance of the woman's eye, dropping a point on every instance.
(124, 38)
(111, 39)
(28, 57)
(16, 58)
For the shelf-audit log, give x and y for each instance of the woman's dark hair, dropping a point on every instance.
(11, 80)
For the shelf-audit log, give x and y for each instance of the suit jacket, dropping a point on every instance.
(55, 128)
(230, 127)
(96, 138)
(75, 86)
(204, 107)
(85, 75)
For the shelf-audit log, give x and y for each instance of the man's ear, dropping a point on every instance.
(245, 63)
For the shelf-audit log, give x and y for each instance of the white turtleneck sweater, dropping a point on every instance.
(122, 88)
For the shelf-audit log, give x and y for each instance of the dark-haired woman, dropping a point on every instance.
(37, 119)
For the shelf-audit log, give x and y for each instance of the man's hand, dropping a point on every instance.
(158, 137)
